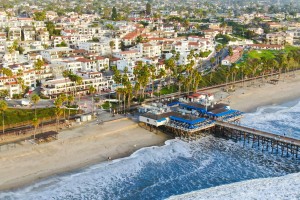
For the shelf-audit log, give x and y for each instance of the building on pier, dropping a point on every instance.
(190, 120)
(185, 117)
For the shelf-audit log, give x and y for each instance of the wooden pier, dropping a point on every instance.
(265, 141)
(190, 128)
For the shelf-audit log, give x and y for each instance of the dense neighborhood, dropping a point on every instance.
(149, 99)
(79, 48)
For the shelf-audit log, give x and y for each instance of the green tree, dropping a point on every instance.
(110, 26)
(77, 80)
(153, 76)
(66, 74)
(35, 99)
(139, 39)
(39, 16)
(212, 60)
(64, 99)
(38, 66)
(20, 81)
(51, 29)
(35, 123)
(70, 102)
(7, 72)
(148, 9)
(114, 14)
(112, 46)
(62, 44)
(230, 50)
(3, 108)
(20, 49)
(58, 111)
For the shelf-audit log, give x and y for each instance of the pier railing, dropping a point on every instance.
(263, 140)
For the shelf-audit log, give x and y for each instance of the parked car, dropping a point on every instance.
(7, 98)
(25, 103)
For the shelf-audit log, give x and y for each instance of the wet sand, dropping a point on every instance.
(76, 148)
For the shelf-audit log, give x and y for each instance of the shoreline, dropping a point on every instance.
(250, 98)
(125, 146)
(90, 144)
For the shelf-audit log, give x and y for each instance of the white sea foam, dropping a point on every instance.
(119, 170)
(283, 119)
(285, 187)
(175, 168)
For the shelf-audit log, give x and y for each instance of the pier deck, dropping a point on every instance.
(259, 139)
(260, 133)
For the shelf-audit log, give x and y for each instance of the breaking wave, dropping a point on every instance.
(177, 167)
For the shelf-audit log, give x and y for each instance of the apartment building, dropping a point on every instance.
(91, 47)
(11, 85)
(2, 38)
(132, 55)
(9, 58)
(28, 33)
(14, 34)
(279, 38)
(43, 36)
(67, 64)
(149, 50)
(52, 88)
(93, 63)
(55, 53)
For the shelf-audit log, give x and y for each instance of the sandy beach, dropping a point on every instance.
(91, 143)
(249, 97)
(76, 148)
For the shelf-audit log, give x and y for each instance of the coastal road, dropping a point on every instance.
(219, 57)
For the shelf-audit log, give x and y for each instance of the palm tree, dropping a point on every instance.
(144, 79)
(35, 99)
(35, 123)
(180, 81)
(66, 74)
(170, 65)
(21, 82)
(111, 45)
(153, 75)
(92, 91)
(3, 108)
(38, 66)
(119, 91)
(197, 80)
(58, 111)
(129, 94)
(70, 101)
(242, 67)
(161, 75)
(64, 99)
(77, 80)
(226, 72)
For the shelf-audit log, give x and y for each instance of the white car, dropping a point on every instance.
(7, 98)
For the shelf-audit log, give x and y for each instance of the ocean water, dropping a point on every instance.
(177, 167)
(280, 119)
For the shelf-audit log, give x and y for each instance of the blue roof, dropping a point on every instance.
(202, 110)
(228, 112)
(161, 120)
(191, 122)
(173, 103)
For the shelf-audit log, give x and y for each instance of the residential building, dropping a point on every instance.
(279, 38)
